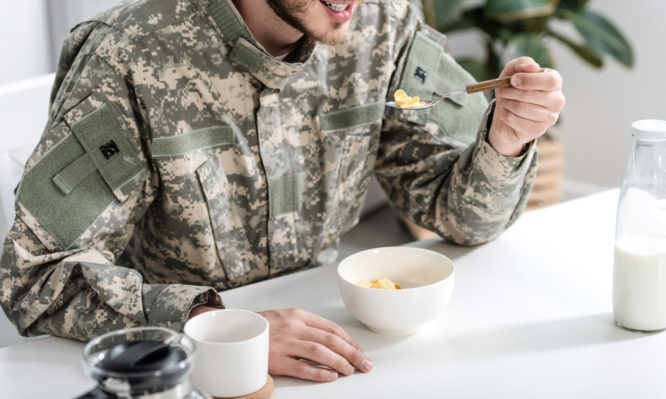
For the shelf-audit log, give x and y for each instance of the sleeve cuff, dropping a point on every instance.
(169, 305)
(500, 166)
(496, 165)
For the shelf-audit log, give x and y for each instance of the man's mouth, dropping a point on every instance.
(335, 6)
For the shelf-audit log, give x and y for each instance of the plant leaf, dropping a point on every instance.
(601, 35)
(572, 4)
(442, 12)
(592, 57)
(528, 45)
(465, 21)
(514, 10)
(476, 68)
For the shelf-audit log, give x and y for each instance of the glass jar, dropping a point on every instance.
(141, 362)
(639, 271)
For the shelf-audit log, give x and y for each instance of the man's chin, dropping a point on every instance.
(334, 38)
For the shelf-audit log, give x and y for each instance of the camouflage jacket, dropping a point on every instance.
(180, 159)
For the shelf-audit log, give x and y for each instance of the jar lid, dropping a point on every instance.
(653, 129)
(139, 360)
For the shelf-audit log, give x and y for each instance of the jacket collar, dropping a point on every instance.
(246, 51)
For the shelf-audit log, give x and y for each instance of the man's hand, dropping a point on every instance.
(297, 335)
(525, 111)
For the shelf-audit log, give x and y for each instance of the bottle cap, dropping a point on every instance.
(651, 129)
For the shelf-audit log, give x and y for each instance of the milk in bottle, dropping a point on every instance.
(639, 272)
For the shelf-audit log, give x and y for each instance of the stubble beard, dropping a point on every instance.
(291, 12)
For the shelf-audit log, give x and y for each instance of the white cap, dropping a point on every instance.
(649, 129)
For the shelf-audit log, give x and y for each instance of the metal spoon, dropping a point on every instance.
(472, 88)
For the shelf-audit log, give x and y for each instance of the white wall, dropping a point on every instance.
(24, 40)
(31, 32)
(65, 14)
(602, 103)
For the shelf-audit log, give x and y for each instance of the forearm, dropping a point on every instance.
(468, 195)
(485, 195)
(79, 294)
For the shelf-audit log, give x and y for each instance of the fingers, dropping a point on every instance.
(551, 100)
(531, 112)
(321, 354)
(524, 129)
(299, 369)
(296, 335)
(534, 101)
(523, 75)
(548, 80)
(342, 349)
(326, 325)
(522, 64)
(524, 111)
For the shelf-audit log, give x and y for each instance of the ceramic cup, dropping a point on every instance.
(231, 352)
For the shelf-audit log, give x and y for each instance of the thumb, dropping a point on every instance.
(522, 64)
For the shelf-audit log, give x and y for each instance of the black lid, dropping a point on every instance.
(147, 365)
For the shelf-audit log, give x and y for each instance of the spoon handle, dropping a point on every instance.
(488, 85)
(491, 84)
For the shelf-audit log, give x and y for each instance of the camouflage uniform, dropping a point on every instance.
(180, 159)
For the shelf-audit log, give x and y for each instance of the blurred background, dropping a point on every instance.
(611, 58)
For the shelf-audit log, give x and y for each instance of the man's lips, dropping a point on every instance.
(337, 5)
(339, 11)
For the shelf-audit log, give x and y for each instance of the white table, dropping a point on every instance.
(530, 317)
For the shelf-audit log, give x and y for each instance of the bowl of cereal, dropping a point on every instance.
(396, 290)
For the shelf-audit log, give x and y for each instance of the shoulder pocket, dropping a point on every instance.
(230, 238)
(430, 72)
(109, 150)
(72, 184)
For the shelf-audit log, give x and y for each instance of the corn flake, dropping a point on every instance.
(402, 100)
(382, 284)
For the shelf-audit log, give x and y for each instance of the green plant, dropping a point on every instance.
(513, 28)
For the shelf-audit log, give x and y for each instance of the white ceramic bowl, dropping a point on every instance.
(426, 278)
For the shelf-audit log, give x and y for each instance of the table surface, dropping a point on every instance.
(531, 316)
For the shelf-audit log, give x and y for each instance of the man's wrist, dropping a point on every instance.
(512, 149)
(197, 310)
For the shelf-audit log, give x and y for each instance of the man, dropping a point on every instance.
(199, 145)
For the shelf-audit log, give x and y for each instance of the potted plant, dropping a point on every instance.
(514, 28)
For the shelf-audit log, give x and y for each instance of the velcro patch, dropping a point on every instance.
(111, 152)
(63, 217)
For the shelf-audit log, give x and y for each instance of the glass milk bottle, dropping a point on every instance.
(639, 271)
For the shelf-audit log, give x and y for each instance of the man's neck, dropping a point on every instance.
(274, 34)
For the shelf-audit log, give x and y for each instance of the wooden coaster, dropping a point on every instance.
(263, 393)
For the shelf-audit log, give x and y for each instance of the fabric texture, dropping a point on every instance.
(217, 165)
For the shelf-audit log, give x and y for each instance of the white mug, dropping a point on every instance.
(231, 352)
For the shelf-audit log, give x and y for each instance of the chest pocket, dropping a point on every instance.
(430, 72)
(92, 167)
(351, 140)
(204, 147)
(230, 239)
